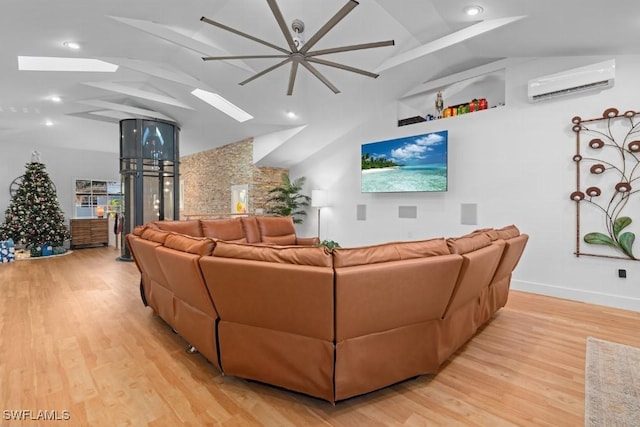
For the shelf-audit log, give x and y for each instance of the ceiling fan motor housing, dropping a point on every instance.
(298, 28)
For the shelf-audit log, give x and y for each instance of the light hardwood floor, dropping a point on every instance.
(75, 337)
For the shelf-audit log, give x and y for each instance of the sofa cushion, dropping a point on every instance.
(277, 230)
(286, 240)
(307, 241)
(230, 230)
(468, 243)
(154, 235)
(491, 232)
(347, 257)
(508, 232)
(299, 255)
(137, 231)
(251, 230)
(193, 245)
(188, 227)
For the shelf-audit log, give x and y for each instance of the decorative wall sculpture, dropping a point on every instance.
(607, 164)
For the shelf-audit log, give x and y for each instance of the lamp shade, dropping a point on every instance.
(319, 198)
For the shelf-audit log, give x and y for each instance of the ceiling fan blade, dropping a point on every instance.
(216, 58)
(343, 67)
(245, 35)
(351, 4)
(292, 76)
(351, 47)
(283, 25)
(265, 71)
(320, 77)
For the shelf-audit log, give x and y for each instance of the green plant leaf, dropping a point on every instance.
(329, 244)
(286, 200)
(600, 239)
(626, 242)
(620, 224)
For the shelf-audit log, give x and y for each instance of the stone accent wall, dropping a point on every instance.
(207, 178)
(264, 179)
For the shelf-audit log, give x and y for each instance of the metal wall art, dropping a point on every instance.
(607, 162)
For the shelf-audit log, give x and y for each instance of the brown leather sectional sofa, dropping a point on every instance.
(263, 304)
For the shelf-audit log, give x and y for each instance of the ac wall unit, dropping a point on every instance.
(594, 76)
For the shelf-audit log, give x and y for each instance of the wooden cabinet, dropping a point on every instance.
(90, 231)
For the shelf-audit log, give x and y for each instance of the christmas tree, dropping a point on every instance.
(34, 217)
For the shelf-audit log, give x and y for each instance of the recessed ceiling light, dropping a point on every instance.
(47, 63)
(473, 10)
(223, 105)
(291, 114)
(72, 45)
(55, 98)
(48, 123)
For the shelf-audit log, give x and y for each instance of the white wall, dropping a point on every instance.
(514, 162)
(63, 165)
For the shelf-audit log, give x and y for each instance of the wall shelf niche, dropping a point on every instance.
(467, 92)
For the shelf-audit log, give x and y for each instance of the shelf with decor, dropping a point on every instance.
(468, 92)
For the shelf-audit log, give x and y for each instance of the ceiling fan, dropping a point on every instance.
(299, 52)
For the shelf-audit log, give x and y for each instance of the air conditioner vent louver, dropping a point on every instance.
(571, 90)
(600, 75)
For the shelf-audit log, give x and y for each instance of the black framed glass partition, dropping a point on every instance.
(149, 169)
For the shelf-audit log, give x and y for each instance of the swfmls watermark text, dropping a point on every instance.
(35, 415)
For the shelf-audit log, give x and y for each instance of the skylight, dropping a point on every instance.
(48, 63)
(223, 105)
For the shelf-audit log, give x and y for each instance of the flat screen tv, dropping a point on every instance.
(410, 164)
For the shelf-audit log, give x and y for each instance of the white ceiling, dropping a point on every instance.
(158, 45)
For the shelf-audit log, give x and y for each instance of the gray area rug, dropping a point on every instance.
(612, 384)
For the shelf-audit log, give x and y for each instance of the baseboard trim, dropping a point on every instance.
(599, 298)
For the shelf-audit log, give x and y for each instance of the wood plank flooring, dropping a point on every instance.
(77, 343)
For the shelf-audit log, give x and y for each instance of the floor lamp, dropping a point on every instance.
(319, 199)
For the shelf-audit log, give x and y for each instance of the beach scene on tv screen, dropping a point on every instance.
(413, 163)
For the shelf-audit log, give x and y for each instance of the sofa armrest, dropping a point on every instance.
(307, 241)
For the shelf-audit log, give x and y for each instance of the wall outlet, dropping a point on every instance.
(622, 273)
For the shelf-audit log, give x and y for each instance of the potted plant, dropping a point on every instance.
(329, 244)
(286, 200)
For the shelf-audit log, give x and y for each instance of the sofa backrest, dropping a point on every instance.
(281, 288)
(158, 291)
(480, 261)
(395, 251)
(296, 255)
(230, 230)
(187, 227)
(468, 243)
(193, 245)
(128, 238)
(511, 256)
(277, 230)
(508, 232)
(382, 287)
(515, 244)
(178, 259)
(251, 230)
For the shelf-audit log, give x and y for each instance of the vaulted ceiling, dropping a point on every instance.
(158, 47)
